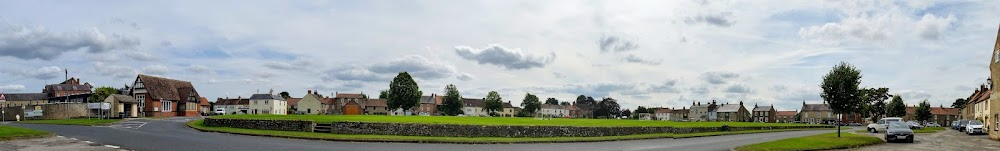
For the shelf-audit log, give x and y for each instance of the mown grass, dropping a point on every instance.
(80, 121)
(928, 130)
(11, 133)
(814, 142)
(199, 124)
(501, 121)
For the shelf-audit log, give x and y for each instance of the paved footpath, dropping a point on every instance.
(167, 134)
(941, 141)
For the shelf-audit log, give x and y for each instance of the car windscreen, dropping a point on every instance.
(893, 125)
(975, 123)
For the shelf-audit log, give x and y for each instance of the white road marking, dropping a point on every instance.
(112, 146)
(88, 142)
(73, 138)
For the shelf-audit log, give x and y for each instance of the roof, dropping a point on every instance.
(237, 101)
(944, 111)
(507, 105)
(123, 98)
(377, 103)
(815, 107)
(729, 108)
(663, 110)
(550, 106)
(438, 100)
(293, 101)
(473, 102)
(266, 96)
(786, 113)
(168, 89)
(349, 95)
(762, 108)
(327, 100)
(427, 99)
(572, 107)
(26, 96)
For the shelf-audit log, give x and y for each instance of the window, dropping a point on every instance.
(142, 100)
(166, 106)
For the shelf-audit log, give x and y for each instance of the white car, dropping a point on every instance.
(220, 111)
(974, 127)
(882, 124)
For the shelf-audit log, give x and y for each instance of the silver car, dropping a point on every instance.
(898, 131)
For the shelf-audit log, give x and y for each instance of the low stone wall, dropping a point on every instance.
(280, 125)
(453, 130)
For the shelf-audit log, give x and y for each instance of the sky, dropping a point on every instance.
(649, 53)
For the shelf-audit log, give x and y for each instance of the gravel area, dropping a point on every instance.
(943, 140)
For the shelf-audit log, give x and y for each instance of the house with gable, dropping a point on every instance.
(764, 114)
(428, 105)
(268, 104)
(473, 107)
(350, 103)
(703, 112)
(785, 116)
(69, 91)
(733, 113)
(163, 97)
(817, 113)
(376, 107)
(663, 114)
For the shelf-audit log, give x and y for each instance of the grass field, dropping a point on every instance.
(11, 132)
(500, 121)
(199, 124)
(928, 130)
(82, 121)
(815, 142)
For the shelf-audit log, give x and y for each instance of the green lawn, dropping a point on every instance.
(928, 130)
(199, 124)
(11, 132)
(815, 142)
(81, 121)
(501, 121)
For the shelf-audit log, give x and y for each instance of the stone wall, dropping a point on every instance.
(49, 111)
(280, 125)
(452, 130)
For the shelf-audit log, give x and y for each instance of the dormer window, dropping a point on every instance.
(138, 84)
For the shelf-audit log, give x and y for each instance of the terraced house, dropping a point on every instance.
(764, 114)
(785, 116)
(68, 91)
(706, 112)
(163, 97)
(817, 113)
(733, 113)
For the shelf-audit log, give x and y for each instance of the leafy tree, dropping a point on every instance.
(923, 112)
(586, 106)
(552, 101)
(798, 116)
(959, 103)
(530, 104)
(384, 94)
(640, 109)
(608, 108)
(452, 103)
(403, 92)
(285, 94)
(840, 90)
(565, 103)
(874, 100)
(102, 93)
(895, 108)
(626, 113)
(493, 103)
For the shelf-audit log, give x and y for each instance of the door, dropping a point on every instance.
(352, 109)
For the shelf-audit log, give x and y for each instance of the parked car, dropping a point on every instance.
(220, 111)
(955, 124)
(932, 124)
(914, 125)
(961, 125)
(883, 124)
(854, 124)
(974, 127)
(898, 131)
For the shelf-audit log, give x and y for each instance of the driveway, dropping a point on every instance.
(942, 140)
(172, 134)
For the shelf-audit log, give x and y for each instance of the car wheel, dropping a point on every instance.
(910, 141)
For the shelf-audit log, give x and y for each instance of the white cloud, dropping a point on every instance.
(931, 27)
(417, 66)
(156, 70)
(40, 43)
(640, 60)
(611, 43)
(43, 73)
(11, 88)
(504, 57)
(737, 88)
(199, 69)
(465, 77)
(719, 77)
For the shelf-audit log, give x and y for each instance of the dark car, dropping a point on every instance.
(954, 125)
(898, 131)
(961, 125)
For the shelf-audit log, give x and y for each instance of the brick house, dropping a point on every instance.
(764, 114)
(163, 97)
(350, 104)
(733, 113)
(679, 114)
(428, 105)
(785, 116)
(69, 91)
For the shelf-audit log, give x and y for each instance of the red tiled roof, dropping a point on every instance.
(326, 101)
(239, 101)
(293, 101)
(664, 110)
(377, 102)
(944, 111)
(349, 95)
(167, 89)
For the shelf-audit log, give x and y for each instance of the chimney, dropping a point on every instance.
(699, 103)
(741, 104)
(309, 91)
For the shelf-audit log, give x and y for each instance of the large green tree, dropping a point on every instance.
(285, 94)
(874, 100)
(895, 108)
(552, 101)
(959, 103)
(840, 90)
(493, 103)
(923, 112)
(586, 106)
(608, 107)
(384, 94)
(530, 104)
(102, 93)
(403, 92)
(565, 103)
(452, 103)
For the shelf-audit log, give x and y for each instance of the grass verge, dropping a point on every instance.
(12, 133)
(81, 121)
(814, 142)
(199, 125)
(501, 121)
(928, 130)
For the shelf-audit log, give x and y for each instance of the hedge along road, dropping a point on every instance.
(171, 134)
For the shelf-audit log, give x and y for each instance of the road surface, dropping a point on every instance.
(172, 134)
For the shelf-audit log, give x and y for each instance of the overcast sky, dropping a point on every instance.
(640, 53)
